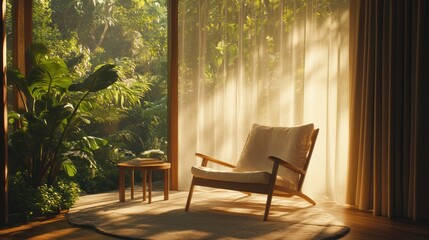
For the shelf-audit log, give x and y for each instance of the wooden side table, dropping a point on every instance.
(146, 165)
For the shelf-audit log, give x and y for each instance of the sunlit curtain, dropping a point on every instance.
(278, 63)
(389, 145)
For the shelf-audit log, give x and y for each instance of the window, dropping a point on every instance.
(268, 62)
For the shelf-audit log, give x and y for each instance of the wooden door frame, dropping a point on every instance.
(3, 128)
(22, 27)
(173, 11)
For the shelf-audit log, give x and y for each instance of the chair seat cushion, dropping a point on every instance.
(229, 176)
(239, 176)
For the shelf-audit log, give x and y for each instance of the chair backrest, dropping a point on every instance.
(288, 143)
(307, 161)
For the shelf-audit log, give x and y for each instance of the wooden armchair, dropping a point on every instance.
(289, 150)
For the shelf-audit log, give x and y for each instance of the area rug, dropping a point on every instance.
(214, 214)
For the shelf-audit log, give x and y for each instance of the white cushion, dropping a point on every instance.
(240, 177)
(229, 176)
(288, 143)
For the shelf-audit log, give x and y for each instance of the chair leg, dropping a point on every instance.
(268, 206)
(191, 191)
(271, 189)
(307, 198)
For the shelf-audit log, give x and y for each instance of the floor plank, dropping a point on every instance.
(364, 225)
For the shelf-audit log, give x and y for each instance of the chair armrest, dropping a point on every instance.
(287, 165)
(214, 160)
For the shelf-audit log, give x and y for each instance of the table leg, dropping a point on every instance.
(150, 186)
(144, 184)
(121, 185)
(166, 183)
(132, 184)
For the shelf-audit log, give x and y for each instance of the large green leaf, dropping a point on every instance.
(102, 78)
(50, 75)
(69, 168)
(55, 115)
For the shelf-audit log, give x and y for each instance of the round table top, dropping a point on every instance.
(144, 163)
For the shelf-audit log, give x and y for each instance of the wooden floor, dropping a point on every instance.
(363, 225)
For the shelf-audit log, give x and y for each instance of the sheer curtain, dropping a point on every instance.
(278, 63)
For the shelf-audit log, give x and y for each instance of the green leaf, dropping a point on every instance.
(69, 168)
(13, 117)
(49, 75)
(93, 143)
(57, 114)
(84, 119)
(102, 78)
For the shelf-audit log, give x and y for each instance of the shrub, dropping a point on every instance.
(69, 192)
(46, 201)
(43, 200)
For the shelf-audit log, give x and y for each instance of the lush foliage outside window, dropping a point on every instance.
(121, 120)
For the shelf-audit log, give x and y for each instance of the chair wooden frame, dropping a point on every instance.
(270, 188)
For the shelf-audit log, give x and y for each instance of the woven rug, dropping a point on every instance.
(214, 214)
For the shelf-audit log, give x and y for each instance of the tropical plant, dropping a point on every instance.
(48, 133)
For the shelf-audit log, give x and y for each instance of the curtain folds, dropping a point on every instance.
(278, 63)
(388, 160)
